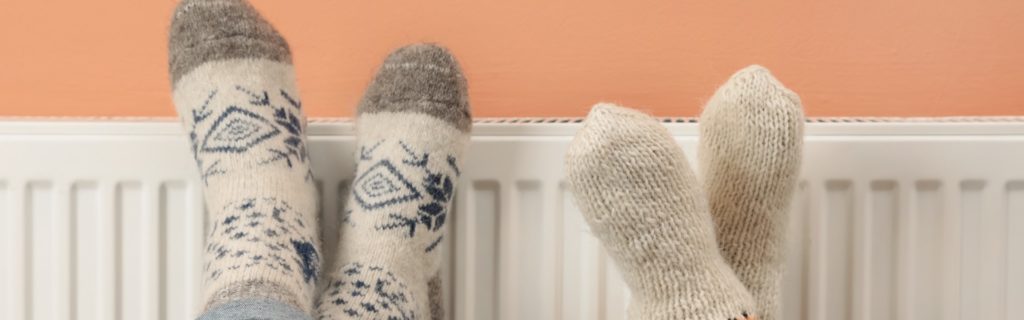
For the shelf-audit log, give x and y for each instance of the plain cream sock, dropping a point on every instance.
(637, 192)
(750, 151)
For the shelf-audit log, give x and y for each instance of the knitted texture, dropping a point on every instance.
(234, 89)
(642, 201)
(750, 151)
(411, 129)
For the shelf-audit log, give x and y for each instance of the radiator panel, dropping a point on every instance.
(104, 220)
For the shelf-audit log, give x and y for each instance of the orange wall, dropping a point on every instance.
(550, 57)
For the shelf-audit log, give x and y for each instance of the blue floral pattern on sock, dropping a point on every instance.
(265, 233)
(366, 292)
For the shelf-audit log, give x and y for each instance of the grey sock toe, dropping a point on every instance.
(208, 30)
(423, 78)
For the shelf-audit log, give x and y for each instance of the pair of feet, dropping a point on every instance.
(687, 251)
(690, 248)
(234, 88)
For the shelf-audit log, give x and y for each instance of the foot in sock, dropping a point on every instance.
(635, 189)
(234, 88)
(750, 150)
(412, 125)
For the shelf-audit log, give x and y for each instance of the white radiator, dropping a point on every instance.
(900, 220)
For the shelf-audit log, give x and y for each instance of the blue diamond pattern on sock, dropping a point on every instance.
(383, 185)
(236, 130)
(378, 185)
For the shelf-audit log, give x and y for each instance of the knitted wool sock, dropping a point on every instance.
(234, 88)
(750, 150)
(635, 189)
(412, 125)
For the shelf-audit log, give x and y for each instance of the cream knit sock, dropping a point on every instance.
(635, 189)
(412, 126)
(234, 88)
(750, 150)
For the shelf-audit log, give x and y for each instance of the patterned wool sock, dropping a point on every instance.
(234, 88)
(412, 126)
(635, 189)
(750, 150)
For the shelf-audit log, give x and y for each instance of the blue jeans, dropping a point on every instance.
(255, 309)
